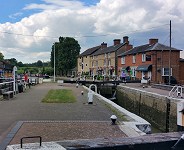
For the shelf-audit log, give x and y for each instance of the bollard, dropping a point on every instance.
(77, 85)
(90, 97)
(113, 119)
(82, 92)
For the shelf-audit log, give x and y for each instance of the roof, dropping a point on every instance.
(109, 49)
(90, 51)
(148, 47)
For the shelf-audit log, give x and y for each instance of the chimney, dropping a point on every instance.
(117, 41)
(103, 45)
(153, 41)
(125, 39)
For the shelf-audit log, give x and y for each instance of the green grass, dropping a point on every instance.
(59, 96)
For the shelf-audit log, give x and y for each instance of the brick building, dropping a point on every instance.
(84, 60)
(181, 71)
(102, 60)
(151, 60)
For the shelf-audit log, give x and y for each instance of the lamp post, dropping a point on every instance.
(54, 64)
(170, 56)
(14, 78)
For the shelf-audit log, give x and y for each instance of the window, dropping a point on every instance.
(104, 62)
(134, 59)
(109, 54)
(97, 63)
(133, 72)
(86, 56)
(165, 72)
(143, 57)
(109, 62)
(93, 57)
(148, 57)
(92, 64)
(123, 60)
(86, 64)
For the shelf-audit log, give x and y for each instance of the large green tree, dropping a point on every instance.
(66, 53)
(1, 56)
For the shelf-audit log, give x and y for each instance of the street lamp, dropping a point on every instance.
(54, 64)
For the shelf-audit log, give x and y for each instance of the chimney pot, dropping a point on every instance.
(125, 39)
(153, 41)
(117, 41)
(103, 45)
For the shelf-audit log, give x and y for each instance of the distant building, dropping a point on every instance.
(6, 69)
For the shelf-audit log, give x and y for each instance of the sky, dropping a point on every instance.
(28, 28)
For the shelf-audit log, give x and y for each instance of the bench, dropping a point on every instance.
(8, 94)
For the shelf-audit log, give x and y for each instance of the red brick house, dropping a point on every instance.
(181, 71)
(151, 60)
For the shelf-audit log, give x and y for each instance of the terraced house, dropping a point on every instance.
(151, 60)
(102, 60)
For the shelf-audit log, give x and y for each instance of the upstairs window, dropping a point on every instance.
(105, 55)
(92, 64)
(96, 63)
(143, 57)
(109, 62)
(148, 57)
(104, 62)
(165, 72)
(134, 59)
(123, 60)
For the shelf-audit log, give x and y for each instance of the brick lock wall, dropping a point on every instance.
(150, 106)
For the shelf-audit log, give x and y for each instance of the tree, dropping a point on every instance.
(12, 61)
(39, 63)
(66, 53)
(1, 56)
(20, 64)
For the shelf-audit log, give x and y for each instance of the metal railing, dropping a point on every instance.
(176, 91)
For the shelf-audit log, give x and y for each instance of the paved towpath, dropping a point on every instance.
(28, 106)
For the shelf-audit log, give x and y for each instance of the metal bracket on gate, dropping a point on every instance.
(31, 137)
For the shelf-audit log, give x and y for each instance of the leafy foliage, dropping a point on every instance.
(66, 53)
(1, 56)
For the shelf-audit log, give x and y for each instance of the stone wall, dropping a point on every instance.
(152, 107)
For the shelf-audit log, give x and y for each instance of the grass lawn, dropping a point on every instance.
(59, 96)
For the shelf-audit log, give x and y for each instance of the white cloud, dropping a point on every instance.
(73, 18)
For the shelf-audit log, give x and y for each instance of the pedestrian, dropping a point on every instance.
(123, 76)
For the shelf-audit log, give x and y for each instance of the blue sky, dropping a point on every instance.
(28, 28)
(12, 10)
